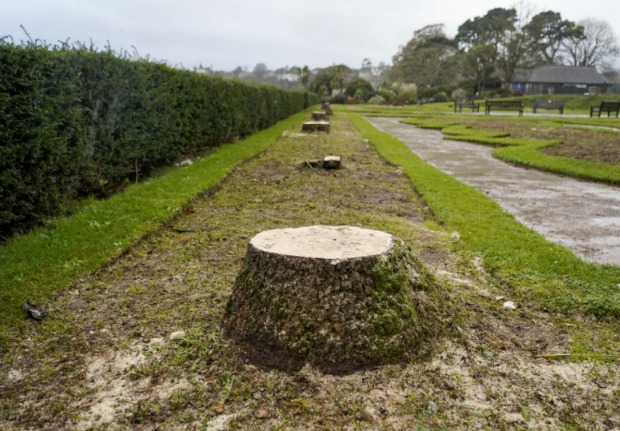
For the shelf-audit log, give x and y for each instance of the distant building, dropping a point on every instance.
(561, 80)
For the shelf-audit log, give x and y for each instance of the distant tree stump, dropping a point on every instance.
(315, 126)
(326, 108)
(319, 116)
(331, 162)
(339, 297)
(328, 162)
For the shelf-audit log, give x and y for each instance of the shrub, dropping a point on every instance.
(360, 89)
(338, 99)
(387, 94)
(376, 100)
(406, 96)
(76, 122)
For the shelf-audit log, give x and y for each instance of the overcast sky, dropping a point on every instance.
(224, 34)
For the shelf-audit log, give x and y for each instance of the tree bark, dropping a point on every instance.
(339, 297)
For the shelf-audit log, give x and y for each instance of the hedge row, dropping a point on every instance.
(77, 122)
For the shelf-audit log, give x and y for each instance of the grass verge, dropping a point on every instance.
(36, 266)
(532, 267)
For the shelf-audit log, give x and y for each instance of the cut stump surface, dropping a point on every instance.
(340, 297)
(331, 162)
(315, 126)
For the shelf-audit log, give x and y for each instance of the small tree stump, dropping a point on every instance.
(339, 297)
(319, 116)
(315, 126)
(331, 162)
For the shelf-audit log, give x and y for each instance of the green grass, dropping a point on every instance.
(524, 152)
(531, 156)
(36, 266)
(534, 268)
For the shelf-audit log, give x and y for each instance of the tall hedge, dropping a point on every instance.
(77, 122)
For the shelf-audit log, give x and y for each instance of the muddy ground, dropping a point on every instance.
(582, 216)
(138, 344)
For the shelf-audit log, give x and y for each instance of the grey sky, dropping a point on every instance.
(225, 34)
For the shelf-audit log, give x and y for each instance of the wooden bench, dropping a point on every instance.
(609, 107)
(460, 104)
(548, 104)
(503, 105)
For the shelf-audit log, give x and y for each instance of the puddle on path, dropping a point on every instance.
(582, 216)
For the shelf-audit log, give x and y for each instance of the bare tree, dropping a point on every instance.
(596, 47)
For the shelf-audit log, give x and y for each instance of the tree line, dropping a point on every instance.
(76, 122)
(488, 51)
(484, 57)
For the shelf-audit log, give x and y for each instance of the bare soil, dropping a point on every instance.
(138, 345)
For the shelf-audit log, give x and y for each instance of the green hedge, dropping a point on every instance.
(77, 122)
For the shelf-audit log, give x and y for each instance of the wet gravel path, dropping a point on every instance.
(582, 216)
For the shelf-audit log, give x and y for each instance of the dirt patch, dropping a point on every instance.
(138, 345)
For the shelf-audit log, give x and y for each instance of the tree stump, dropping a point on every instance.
(331, 162)
(319, 116)
(315, 126)
(326, 108)
(338, 297)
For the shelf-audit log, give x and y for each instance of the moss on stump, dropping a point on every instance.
(339, 297)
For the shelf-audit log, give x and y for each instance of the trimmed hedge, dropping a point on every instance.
(76, 122)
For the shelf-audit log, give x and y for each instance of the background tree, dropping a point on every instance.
(360, 89)
(514, 54)
(429, 59)
(545, 34)
(596, 46)
(260, 69)
(499, 33)
(329, 79)
(366, 66)
(489, 29)
(479, 67)
(304, 76)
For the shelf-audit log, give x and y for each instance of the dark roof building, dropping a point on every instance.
(561, 80)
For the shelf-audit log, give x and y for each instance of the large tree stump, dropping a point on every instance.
(339, 297)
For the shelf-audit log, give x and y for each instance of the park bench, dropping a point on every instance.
(548, 104)
(468, 104)
(503, 105)
(609, 107)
